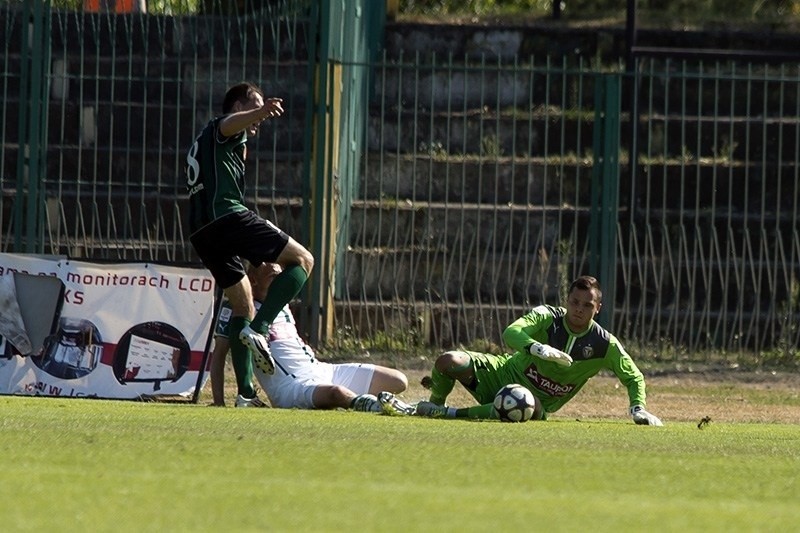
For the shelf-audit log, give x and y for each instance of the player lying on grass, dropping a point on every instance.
(300, 380)
(557, 350)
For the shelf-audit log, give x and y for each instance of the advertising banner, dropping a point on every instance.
(125, 331)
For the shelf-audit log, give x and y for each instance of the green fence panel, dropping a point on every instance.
(34, 61)
(118, 100)
(711, 242)
(467, 211)
(465, 189)
(476, 202)
(349, 33)
(605, 189)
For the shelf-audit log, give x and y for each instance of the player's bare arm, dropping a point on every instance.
(248, 116)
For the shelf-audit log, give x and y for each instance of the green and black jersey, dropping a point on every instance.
(592, 351)
(215, 175)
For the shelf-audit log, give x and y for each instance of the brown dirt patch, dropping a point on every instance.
(678, 397)
(723, 396)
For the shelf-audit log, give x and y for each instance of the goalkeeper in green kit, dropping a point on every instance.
(557, 350)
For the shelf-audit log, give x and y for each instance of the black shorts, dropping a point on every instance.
(245, 235)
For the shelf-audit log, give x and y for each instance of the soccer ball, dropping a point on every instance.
(514, 403)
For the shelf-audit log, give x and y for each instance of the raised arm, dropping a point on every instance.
(239, 121)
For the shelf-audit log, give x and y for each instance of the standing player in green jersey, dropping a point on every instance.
(223, 231)
(557, 350)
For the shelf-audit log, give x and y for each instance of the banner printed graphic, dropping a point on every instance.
(125, 330)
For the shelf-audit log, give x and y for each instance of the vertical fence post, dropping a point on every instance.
(318, 166)
(346, 44)
(35, 50)
(605, 190)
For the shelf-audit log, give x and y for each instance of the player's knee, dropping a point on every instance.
(295, 253)
(451, 362)
(338, 395)
(397, 382)
(331, 396)
(387, 379)
(306, 261)
(299, 256)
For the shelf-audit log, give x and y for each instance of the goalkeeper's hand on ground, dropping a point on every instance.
(548, 353)
(643, 418)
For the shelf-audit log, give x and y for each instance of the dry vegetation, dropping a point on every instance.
(764, 397)
(678, 397)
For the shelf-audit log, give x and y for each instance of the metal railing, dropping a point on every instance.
(711, 244)
(95, 168)
(482, 196)
(483, 188)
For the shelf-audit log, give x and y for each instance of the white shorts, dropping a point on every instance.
(286, 392)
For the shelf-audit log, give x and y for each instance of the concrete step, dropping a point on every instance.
(723, 137)
(481, 131)
(180, 81)
(484, 130)
(431, 322)
(150, 35)
(716, 189)
(480, 227)
(373, 225)
(409, 189)
(133, 126)
(502, 180)
(426, 322)
(87, 171)
(414, 273)
(674, 187)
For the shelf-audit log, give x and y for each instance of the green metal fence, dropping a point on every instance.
(711, 245)
(476, 196)
(489, 185)
(106, 106)
(454, 193)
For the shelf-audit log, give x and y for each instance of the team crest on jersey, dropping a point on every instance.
(588, 352)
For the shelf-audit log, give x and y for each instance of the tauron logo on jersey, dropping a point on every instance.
(588, 352)
(546, 384)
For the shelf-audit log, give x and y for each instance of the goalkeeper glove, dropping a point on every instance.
(643, 418)
(548, 353)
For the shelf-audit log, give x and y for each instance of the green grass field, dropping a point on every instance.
(92, 465)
